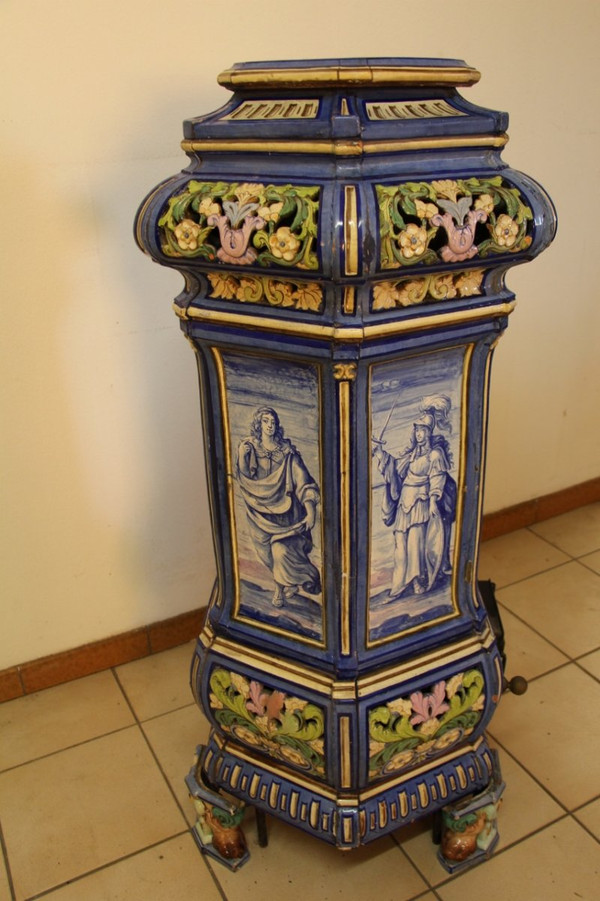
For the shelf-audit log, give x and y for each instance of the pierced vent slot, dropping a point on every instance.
(424, 109)
(275, 109)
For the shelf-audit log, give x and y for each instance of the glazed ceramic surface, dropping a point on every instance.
(344, 228)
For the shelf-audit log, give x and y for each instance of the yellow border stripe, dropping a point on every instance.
(343, 147)
(340, 76)
(344, 408)
(350, 231)
(345, 333)
(345, 758)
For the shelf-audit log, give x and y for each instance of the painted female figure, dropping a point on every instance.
(419, 502)
(281, 503)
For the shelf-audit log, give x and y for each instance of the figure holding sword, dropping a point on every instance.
(419, 501)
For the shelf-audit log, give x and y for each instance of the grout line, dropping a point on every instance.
(540, 635)
(552, 544)
(152, 751)
(218, 885)
(506, 848)
(582, 824)
(580, 666)
(534, 575)
(585, 565)
(425, 894)
(413, 864)
(531, 528)
(529, 773)
(105, 866)
(585, 804)
(78, 744)
(11, 886)
(164, 775)
(548, 672)
(158, 716)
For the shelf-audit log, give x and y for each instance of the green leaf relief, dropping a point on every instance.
(398, 209)
(238, 201)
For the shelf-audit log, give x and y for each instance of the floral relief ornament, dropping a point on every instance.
(306, 296)
(407, 730)
(287, 728)
(415, 217)
(242, 224)
(428, 288)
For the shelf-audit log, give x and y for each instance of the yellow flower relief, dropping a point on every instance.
(284, 245)
(425, 210)
(485, 202)
(270, 213)
(208, 207)
(413, 241)
(187, 234)
(401, 706)
(249, 191)
(505, 231)
(446, 188)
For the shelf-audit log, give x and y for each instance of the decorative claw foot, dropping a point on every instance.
(217, 830)
(469, 830)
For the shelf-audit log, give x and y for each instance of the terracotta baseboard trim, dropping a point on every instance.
(100, 655)
(92, 658)
(528, 513)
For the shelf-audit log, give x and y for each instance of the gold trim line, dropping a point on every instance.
(340, 76)
(349, 303)
(350, 231)
(344, 412)
(343, 147)
(345, 333)
(345, 757)
(325, 685)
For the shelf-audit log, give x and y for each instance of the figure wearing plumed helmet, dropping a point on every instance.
(419, 501)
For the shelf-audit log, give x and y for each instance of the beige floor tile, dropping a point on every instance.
(158, 683)
(591, 663)
(525, 808)
(591, 560)
(174, 738)
(590, 817)
(298, 867)
(516, 556)
(82, 808)
(554, 732)
(563, 605)
(527, 654)
(577, 532)
(559, 863)
(174, 869)
(59, 717)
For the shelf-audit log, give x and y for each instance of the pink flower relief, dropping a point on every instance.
(428, 706)
(264, 703)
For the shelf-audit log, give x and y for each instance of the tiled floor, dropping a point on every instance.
(93, 805)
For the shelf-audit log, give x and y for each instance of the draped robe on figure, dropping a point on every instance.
(275, 486)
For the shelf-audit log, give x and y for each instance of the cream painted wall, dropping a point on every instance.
(105, 520)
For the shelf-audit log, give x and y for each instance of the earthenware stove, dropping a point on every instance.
(344, 228)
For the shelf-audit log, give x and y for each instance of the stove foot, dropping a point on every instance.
(217, 830)
(469, 829)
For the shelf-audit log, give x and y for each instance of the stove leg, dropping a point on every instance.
(469, 828)
(261, 828)
(436, 828)
(217, 831)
